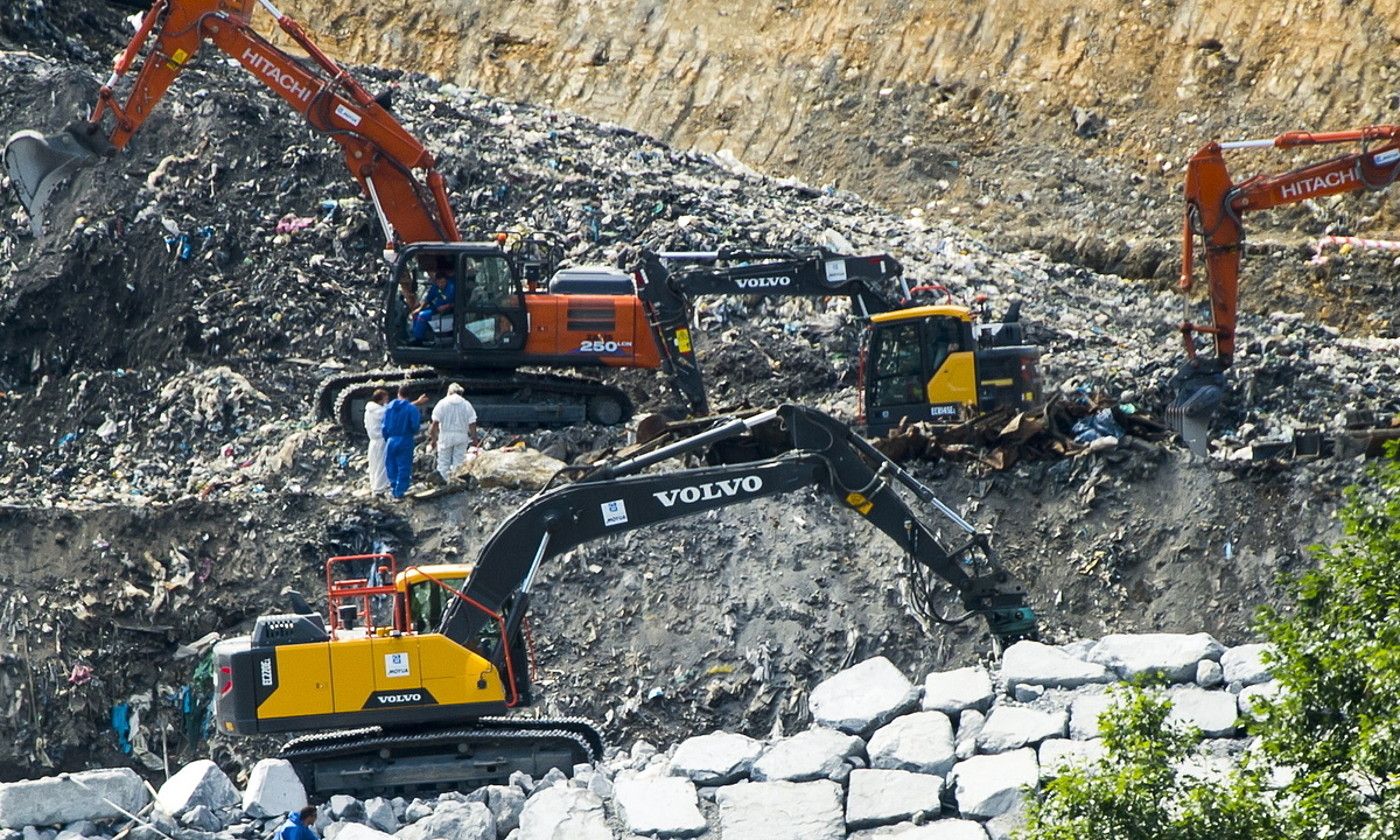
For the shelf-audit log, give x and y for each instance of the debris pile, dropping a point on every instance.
(884, 757)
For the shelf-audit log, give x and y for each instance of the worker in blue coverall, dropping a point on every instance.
(298, 825)
(438, 301)
(401, 422)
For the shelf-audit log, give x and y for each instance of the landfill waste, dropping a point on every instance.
(163, 477)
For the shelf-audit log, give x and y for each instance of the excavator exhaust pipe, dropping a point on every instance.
(37, 164)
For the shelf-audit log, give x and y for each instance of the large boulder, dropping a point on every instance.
(1213, 712)
(59, 800)
(987, 785)
(379, 813)
(1012, 727)
(780, 811)
(950, 692)
(1252, 695)
(715, 759)
(563, 812)
(883, 797)
(1056, 755)
(273, 789)
(1170, 655)
(1034, 663)
(197, 783)
(863, 697)
(455, 819)
(921, 742)
(519, 469)
(663, 807)
(817, 753)
(1084, 713)
(1244, 664)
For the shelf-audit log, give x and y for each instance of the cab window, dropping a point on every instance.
(898, 366)
(427, 601)
(492, 303)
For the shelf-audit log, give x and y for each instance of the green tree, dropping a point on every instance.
(1336, 724)
(1333, 727)
(1137, 792)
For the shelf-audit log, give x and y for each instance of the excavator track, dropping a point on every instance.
(330, 389)
(510, 400)
(374, 760)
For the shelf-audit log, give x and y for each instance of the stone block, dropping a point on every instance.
(1213, 712)
(274, 789)
(1034, 663)
(1012, 727)
(883, 797)
(987, 785)
(662, 807)
(715, 759)
(59, 800)
(817, 753)
(780, 811)
(197, 783)
(863, 697)
(1244, 664)
(1170, 655)
(921, 742)
(1059, 754)
(950, 692)
(560, 812)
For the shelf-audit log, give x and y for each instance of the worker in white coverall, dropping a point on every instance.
(374, 427)
(452, 431)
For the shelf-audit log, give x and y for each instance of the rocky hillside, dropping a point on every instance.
(1050, 121)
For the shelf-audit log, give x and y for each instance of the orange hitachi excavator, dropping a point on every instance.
(501, 316)
(1215, 206)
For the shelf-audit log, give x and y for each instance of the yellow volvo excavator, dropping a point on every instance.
(424, 663)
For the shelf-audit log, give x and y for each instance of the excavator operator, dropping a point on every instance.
(438, 301)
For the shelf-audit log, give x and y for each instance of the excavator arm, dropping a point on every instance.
(667, 281)
(381, 155)
(1215, 208)
(788, 448)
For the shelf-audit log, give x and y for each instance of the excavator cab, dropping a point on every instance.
(449, 299)
(931, 363)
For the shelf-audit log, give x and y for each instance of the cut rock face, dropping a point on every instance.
(1034, 663)
(58, 801)
(715, 759)
(781, 811)
(817, 753)
(862, 697)
(988, 785)
(921, 742)
(1170, 655)
(882, 797)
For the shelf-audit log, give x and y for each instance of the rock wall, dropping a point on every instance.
(889, 98)
(884, 757)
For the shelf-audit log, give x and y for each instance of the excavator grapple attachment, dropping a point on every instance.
(37, 164)
(1200, 390)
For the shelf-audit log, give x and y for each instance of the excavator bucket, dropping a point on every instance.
(37, 164)
(1200, 390)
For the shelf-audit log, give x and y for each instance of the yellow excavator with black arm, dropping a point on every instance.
(424, 664)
